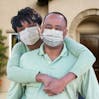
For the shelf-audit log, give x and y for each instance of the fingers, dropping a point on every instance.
(46, 84)
(49, 92)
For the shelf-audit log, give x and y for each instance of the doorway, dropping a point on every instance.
(91, 41)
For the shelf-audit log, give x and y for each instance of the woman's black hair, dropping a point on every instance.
(27, 14)
(31, 14)
(16, 22)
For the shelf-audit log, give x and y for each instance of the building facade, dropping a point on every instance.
(83, 23)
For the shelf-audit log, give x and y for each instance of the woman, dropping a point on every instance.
(26, 24)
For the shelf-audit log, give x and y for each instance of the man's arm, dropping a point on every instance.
(84, 62)
(89, 87)
(14, 71)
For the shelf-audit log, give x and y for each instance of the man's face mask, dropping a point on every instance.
(52, 37)
(29, 36)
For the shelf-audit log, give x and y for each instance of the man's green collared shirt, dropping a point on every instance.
(38, 61)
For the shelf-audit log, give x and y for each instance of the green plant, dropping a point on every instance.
(3, 57)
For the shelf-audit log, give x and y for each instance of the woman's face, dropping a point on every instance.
(28, 33)
(25, 25)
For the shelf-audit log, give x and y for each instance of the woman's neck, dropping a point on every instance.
(53, 52)
(36, 45)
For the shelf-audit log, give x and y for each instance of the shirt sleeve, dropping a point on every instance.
(85, 58)
(16, 91)
(14, 71)
(89, 86)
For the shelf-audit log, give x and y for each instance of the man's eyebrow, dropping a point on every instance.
(48, 24)
(58, 26)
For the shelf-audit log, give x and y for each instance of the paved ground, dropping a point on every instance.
(4, 87)
(3, 95)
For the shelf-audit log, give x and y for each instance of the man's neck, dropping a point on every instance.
(36, 45)
(53, 52)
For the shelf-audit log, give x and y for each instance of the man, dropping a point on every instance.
(52, 61)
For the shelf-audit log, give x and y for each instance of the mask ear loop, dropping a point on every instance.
(40, 32)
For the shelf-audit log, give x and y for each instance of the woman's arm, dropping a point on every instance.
(89, 87)
(85, 57)
(14, 71)
(16, 91)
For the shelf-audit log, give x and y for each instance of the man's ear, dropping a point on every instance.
(65, 32)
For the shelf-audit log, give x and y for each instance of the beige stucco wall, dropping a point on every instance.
(71, 8)
(9, 8)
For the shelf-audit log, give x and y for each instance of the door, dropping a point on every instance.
(91, 41)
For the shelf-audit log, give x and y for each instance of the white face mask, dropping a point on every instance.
(29, 36)
(52, 37)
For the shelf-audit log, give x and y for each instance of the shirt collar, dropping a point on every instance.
(63, 53)
(41, 50)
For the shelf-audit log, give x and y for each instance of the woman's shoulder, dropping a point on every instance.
(19, 47)
(32, 53)
(19, 44)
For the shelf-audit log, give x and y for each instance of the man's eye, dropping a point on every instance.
(58, 29)
(48, 27)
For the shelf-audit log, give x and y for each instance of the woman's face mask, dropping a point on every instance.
(52, 37)
(30, 35)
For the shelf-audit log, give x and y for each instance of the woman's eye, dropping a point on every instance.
(31, 25)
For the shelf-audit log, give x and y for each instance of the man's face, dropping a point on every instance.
(55, 21)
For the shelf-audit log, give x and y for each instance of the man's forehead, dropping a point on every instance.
(54, 16)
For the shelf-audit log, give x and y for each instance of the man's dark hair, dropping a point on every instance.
(27, 14)
(59, 14)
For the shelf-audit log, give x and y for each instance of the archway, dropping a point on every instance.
(85, 28)
(79, 19)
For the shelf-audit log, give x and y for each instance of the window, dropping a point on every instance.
(13, 39)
